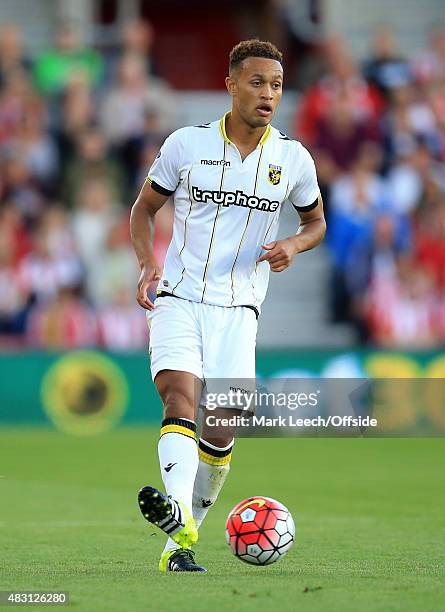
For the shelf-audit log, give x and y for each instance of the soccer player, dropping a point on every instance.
(228, 180)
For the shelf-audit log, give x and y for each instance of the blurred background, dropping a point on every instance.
(88, 92)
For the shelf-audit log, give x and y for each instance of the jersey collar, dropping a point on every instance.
(222, 129)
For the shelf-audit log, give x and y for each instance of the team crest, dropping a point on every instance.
(274, 175)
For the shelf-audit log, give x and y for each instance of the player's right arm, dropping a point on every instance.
(142, 218)
(161, 183)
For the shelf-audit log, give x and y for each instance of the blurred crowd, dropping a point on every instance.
(79, 129)
(377, 132)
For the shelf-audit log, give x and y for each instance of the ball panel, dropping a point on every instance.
(281, 514)
(249, 559)
(273, 557)
(285, 548)
(249, 538)
(276, 505)
(260, 517)
(232, 544)
(290, 525)
(234, 524)
(240, 547)
(273, 536)
(247, 515)
(264, 542)
(254, 550)
(249, 502)
(285, 540)
(270, 521)
(241, 504)
(281, 527)
(248, 527)
(264, 557)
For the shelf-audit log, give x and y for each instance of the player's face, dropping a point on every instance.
(256, 88)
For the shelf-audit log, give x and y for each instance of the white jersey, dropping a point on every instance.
(226, 209)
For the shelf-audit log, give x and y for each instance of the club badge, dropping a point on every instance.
(274, 174)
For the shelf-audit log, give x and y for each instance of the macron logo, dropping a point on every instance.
(215, 162)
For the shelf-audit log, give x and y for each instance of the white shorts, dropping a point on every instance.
(211, 342)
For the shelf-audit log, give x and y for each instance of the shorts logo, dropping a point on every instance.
(274, 175)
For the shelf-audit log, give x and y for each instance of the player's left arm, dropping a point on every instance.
(280, 253)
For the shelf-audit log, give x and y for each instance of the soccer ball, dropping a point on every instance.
(260, 530)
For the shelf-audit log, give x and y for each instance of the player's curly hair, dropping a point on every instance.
(253, 48)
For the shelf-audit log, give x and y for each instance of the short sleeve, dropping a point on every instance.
(163, 175)
(305, 192)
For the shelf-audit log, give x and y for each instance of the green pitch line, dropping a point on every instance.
(369, 516)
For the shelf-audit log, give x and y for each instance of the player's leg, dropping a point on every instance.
(215, 454)
(178, 458)
(175, 346)
(229, 338)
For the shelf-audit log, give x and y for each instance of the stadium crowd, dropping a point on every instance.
(79, 129)
(378, 136)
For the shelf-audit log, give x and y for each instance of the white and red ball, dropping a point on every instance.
(260, 530)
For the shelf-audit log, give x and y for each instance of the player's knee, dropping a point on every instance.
(178, 404)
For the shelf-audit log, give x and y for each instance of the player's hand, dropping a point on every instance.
(149, 274)
(280, 254)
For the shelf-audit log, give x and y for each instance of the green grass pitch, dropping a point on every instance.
(369, 516)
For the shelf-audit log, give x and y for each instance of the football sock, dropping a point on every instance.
(178, 459)
(214, 466)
